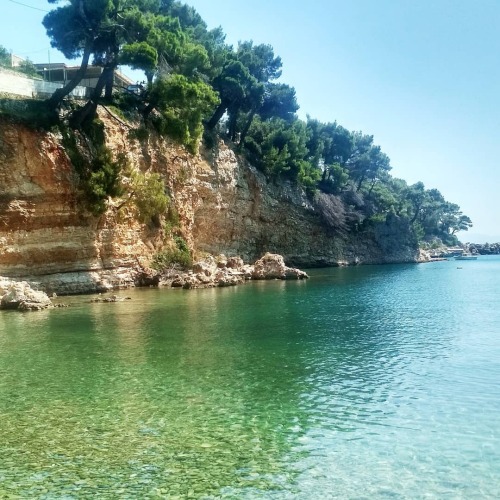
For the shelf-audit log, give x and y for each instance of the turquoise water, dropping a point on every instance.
(376, 381)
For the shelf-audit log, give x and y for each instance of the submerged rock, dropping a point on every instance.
(112, 298)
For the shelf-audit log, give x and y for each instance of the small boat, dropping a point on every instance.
(466, 256)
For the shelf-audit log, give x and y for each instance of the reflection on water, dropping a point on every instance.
(359, 382)
(163, 395)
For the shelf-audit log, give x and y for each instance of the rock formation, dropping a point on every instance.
(272, 266)
(224, 206)
(20, 295)
(222, 271)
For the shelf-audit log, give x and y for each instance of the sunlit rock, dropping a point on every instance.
(272, 266)
(20, 295)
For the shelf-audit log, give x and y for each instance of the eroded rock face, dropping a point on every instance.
(43, 230)
(225, 206)
(45, 234)
(238, 212)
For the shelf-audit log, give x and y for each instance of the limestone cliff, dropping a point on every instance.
(241, 213)
(224, 206)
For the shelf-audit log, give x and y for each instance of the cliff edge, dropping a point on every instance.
(224, 205)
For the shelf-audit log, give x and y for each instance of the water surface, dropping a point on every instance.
(362, 382)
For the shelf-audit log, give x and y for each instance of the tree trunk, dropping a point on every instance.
(233, 117)
(108, 93)
(372, 186)
(247, 126)
(147, 111)
(362, 178)
(219, 112)
(87, 113)
(56, 98)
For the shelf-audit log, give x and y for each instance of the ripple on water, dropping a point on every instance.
(363, 382)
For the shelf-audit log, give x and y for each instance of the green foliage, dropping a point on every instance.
(194, 78)
(4, 57)
(279, 101)
(334, 179)
(29, 112)
(329, 143)
(101, 180)
(147, 191)
(182, 104)
(308, 176)
(173, 216)
(366, 161)
(94, 131)
(419, 231)
(139, 55)
(128, 104)
(260, 61)
(234, 82)
(181, 244)
(111, 31)
(278, 148)
(194, 60)
(242, 85)
(76, 23)
(28, 68)
(98, 172)
(171, 222)
(176, 256)
(375, 219)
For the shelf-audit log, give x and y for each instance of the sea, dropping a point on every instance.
(361, 382)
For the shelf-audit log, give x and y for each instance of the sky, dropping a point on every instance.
(421, 76)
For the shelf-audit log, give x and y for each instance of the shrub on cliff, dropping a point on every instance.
(176, 255)
(101, 180)
(98, 172)
(33, 114)
(146, 191)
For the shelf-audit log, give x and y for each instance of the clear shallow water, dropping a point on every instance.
(362, 382)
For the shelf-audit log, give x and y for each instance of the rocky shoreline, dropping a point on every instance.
(221, 271)
(209, 272)
(484, 248)
(219, 204)
(444, 253)
(21, 296)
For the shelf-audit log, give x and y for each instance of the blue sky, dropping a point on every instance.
(422, 76)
